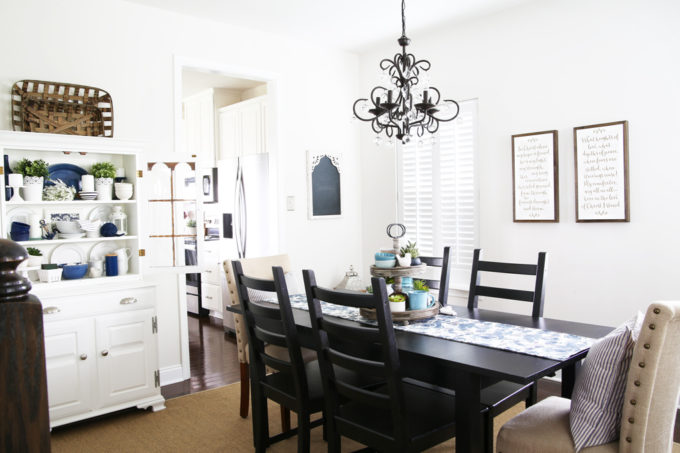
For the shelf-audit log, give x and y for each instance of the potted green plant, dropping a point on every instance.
(411, 248)
(191, 226)
(397, 302)
(34, 172)
(103, 173)
(35, 257)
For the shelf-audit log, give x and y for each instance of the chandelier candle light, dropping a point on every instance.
(407, 105)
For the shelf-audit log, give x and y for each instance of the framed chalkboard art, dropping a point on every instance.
(324, 186)
(602, 172)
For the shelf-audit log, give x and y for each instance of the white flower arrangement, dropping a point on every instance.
(59, 191)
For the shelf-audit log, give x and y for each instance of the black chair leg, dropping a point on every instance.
(533, 395)
(487, 420)
(260, 421)
(303, 432)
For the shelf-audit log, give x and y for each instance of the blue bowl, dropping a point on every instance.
(108, 230)
(74, 271)
(18, 235)
(19, 227)
(382, 256)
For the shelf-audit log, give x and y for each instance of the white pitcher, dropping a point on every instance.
(124, 255)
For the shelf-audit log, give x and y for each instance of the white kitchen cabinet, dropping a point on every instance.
(71, 366)
(211, 296)
(199, 126)
(101, 351)
(243, 128)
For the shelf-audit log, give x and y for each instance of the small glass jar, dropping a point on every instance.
(351, 282)
(119, 218)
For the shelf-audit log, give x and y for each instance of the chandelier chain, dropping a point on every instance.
(403, 18)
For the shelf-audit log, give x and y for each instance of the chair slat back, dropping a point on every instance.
(535, 297)
(270, 324)
(370, 351)
(441, 285)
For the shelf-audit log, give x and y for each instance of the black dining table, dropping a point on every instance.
(468, 368)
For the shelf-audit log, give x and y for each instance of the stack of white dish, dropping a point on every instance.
(68, 229)
(87, 195)
(91, 227)
(123, 190)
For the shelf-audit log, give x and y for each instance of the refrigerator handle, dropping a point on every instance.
(244, 216)
(237, 209)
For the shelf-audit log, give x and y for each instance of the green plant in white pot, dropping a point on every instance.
(35, 172)
(103, 173)
(35, 257)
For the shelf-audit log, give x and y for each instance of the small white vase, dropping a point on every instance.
(33, 188)
(104, 188)
(404, 261)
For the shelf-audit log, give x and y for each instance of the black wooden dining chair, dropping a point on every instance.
(395, 416)
(504, 394)
(294, 384)
(441, 285)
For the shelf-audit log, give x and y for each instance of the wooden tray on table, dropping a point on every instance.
(405, 316)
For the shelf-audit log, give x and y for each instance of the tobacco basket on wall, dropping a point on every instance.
(61, 108)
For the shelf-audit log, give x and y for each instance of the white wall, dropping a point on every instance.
(128, 50)
(558, 65)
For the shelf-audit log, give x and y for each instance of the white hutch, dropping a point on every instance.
(100, 333)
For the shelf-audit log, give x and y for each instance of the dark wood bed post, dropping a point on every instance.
(24, 413)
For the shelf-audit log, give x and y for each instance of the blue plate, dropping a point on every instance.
(68, 173)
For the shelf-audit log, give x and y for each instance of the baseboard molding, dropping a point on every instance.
(171, 374)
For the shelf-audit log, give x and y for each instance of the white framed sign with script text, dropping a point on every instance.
(601, 162)
(535, 177)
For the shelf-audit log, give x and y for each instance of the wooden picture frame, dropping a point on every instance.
(535, 177)
(601, 172)
(324, 173)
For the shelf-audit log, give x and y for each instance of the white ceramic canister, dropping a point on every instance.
(87, 183)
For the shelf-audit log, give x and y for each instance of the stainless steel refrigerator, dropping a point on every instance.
(244, 197)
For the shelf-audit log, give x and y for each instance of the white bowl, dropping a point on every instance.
(123, 195)
(67, 226)
(385, 263)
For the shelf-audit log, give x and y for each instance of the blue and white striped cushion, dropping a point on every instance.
(597, 400)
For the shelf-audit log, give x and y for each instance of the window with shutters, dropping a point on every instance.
(438, 196)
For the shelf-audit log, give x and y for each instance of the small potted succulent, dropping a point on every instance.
(397, 302)
(411, 248)
(103, 173)
(191, 226)
(34, 172)
(35, 257)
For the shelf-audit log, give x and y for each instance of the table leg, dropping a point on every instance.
(569, 378)
(469, 435)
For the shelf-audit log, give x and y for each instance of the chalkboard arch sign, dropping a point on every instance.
(324, 186)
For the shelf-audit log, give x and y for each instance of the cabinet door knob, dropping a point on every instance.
(128, 300)
(51, 310)
(105, 352)
(83, 356)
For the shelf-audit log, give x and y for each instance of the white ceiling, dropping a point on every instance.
(344, 24)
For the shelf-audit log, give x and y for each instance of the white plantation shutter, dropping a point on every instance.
(438, 191)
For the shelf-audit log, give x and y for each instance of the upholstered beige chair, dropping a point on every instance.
(257, 268)
(649, 405)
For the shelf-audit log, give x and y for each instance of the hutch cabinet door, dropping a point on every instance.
(70, 359)
(126, 356)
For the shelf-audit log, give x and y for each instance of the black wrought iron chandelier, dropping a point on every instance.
(407, 105)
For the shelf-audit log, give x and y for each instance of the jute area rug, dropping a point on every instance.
(202, 422)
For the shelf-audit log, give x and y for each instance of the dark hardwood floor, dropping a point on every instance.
(212, 355)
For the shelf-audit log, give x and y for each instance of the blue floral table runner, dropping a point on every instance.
(524, 340)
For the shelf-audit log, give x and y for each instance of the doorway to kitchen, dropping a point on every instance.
(225, 122)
